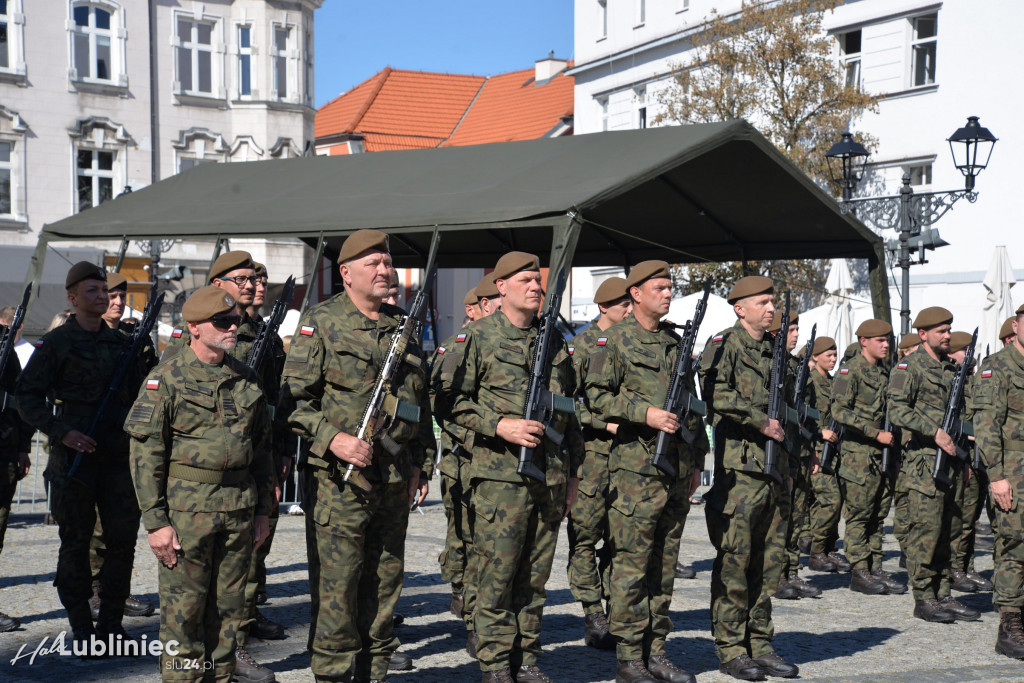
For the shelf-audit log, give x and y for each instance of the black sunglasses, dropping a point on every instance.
(224, 322)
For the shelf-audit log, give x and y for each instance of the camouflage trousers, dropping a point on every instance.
(931, 511)
(8, 486)
(202, 598)
(1008, 578)
(456, 558)
(646, 516)
(970, 499)
(865, 519)
(747, 514)
(826, 510)
(257, 578)
(900, 513)
(799, 516)
(514, 537)
(589, 566)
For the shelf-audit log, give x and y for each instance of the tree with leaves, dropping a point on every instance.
(773, 65)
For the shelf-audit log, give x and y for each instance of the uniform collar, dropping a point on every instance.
(512, 331)
(745, 337)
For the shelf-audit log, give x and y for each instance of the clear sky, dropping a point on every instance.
(355, 40)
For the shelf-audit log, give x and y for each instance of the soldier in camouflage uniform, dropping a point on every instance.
(71, 368)
(454, 467)
(998, 402)
(516, 517)
(15, 441)
(204, 477)
(589, 566)
(357, 527)
(630, 367)
(918, 393)
(858, 404)
(746, 509)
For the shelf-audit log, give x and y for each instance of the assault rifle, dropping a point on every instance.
(796, 416)
(679, 400)
(384, 407)
(829, 450)
(951, 423)
(777, 394)
(125, 364)
(270, 325)
(7, 341)
(541, 404)
(889, 453)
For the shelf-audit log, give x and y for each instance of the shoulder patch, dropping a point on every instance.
(717, 338)
(307, 331)
(461, 337)
(39, 344)
(176, 333)
(986, 374)
(142, 412)
(844, 371)
(601, 341)
(440, 350)
(152, 384)
(571, 350)
(902, 366)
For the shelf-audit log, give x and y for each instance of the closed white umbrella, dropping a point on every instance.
(998, 305)
(839, 321)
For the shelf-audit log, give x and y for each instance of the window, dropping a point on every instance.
(850, 50)
(683, 5)
(640, 96)
(282, 34)
(245, 61)
(309, 67)
(641, 12)
(5, 43)
(95, 177)
(195, 56)
(91, 52)
(197, 146)
(185, 163)
(6, 154)
(920, 174)
(925, 29)
(12, 43)
(602, 18)
(603, 103)
(12, 168)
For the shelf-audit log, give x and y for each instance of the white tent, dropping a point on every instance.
(718, 316)
(998, 304)
(839, 321)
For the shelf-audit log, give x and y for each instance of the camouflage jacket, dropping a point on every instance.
(581, 348)
(734, 372)
(807, 447)
(202, 416)
(629, 373)
(821, 399)
(71, 369)
(491, 382)
(454, 446)
(329, 375)
(858, 403)
(998, 405)
(15, 433)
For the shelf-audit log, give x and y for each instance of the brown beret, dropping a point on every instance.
(230, 260)
(933, 316)
(909, 341)
(959, 341)
(116, 281)
(794, 318)
(361, 241)
(874, 328)
(513, 262)
(83, 270)
(645, 270)
(749, 286)
(1006, 329)
(612, 289)
(823, 344)
(486, 289)
(1020, 309)
(205, 303)
(470, 298)
(261, 270)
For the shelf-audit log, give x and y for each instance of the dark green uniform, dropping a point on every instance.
(630, 369)
(747, 511)
(827, 507)
(71, 368)
(918, 392)
(516, 518)
(356, 538)
(15, 437)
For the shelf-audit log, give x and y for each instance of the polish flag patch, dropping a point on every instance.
(176, 334)
(153, 384)
(459, 338)
(986, 373)
(902, 366)
(717, 338)
(307, 331)
(39, 344)
(440, 350)
(571, 349)
(602, 341)
(844, 371)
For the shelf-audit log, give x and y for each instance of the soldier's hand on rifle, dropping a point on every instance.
(519, 432)
(612, 427)
(418, 488)
(79, 442)
(815, 462)
(352, 450)
(24, 465)
(164, 543)
(572, 490)
(260, 530)
(886, 438)
(1002, 494)
(829, 435)
(945, 442)
(662, 420)
(773, 430)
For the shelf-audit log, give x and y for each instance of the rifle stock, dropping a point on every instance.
(951, 423)
(776, 395)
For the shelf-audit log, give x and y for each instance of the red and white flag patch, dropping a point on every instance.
(844, 371)
(39, 344)
(307, 331)
(440, 350)
(176, 334)
(153, 384)
(459, 338)
(902, 366)
(717, 338)
(571, 349)
(601, 341)
(986, 373)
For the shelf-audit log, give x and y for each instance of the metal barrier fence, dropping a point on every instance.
(33, 495)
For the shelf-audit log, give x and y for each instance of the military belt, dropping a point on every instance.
(1013, 445)
(202, 476)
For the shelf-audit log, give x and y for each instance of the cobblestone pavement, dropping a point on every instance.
(842, 636)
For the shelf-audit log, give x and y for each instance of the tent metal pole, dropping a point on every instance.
(120, 253)
(312, 280)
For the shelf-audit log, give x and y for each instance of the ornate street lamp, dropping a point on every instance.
(908, 212)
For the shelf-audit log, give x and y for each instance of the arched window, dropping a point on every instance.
(97, 36)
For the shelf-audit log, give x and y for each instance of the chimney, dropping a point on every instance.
(549, 67)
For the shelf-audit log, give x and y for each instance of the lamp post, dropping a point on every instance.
(908, 212)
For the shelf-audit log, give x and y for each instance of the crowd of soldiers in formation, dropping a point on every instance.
(193, 451)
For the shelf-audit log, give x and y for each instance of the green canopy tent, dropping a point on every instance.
(716, 192)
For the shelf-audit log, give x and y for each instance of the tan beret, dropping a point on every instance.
(959, 341)
(205, 303)
(909, 341)
(83, 270)
(794, 318)
(117, 281)
(1006, 329)
(612, 289)
(823, 344)
(230, 260)
(1020, 309)
(513, 262)
(470, 298)
(486, 289)
(644, 271)
(361, 241)
(933, 316)
(750, 286)
(261, 270)
(874, 328)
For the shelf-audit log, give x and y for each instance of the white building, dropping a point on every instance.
(932, 63)
(97, 96)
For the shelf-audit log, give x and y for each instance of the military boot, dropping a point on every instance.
(684, 572)
(804, 544)
(135, 607)
(786, 591)
(959, 610)
(634, 672)
(804, 588)
(248, 670)
(8, 623)
(885, 578)
(94, 602)
(530, 673)
(596, 633)
(472, 643)
(842, 564)
(664, 670)
(820, 562)
(931, 610)
(457, 606)
(862, 581)
(265, 629)
(774, 665)
(743, 668)
(502, 676)
(980, 581)
(399, 662)
(960, 582)
(1010, 641)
